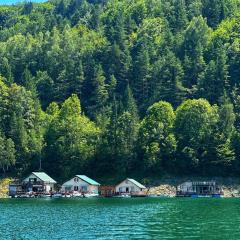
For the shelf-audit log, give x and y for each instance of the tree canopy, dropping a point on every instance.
(158, 82)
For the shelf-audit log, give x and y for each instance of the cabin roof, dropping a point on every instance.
(44, 177)
(134, 182)
(197, 183)
(88, 180)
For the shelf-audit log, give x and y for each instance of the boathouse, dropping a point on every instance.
(81, 183)
(39, 182)
(197, 188)
(130, 186)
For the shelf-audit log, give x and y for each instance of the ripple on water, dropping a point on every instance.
(119, 219)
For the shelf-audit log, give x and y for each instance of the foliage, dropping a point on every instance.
(158, 83)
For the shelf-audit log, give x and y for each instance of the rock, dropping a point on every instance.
(163, 190)
(4, 185)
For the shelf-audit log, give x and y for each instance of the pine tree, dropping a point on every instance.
(167, 84)
(180, 15)
(196, 38)
(141, 77)
(6, 71)
(129, 104)
(215, 81)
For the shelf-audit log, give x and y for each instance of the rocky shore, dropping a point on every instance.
(167, 188)
(164, 190)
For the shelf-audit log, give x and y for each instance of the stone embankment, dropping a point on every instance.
(4, 184)
(231, 191)
(164, 190)
(169, 190)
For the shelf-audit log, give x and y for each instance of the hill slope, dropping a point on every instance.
(120, 87)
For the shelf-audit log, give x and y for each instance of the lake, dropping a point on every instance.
(107, 219)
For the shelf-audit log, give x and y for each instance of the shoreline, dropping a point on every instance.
(165, 187)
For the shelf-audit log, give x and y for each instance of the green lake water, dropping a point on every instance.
(50, 219)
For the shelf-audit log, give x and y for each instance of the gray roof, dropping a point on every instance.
(44, 177)
(88, 180)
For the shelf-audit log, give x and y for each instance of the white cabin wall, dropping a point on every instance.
(49, 187)
(185, 187)
(124, 185)
(71, 183)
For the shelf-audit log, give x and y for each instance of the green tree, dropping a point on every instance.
(156, 138)
(196, 38)
(71, 139)
(215, 80)
(167, 80)
(7, 153)
(195, 126)
(142, 77)
(126, 136)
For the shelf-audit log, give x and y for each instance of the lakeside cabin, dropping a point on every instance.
(36, 183)
(82, 184)
(130, 187)
(199, 189)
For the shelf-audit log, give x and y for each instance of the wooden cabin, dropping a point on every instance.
(130, 186)
(198, 188)
(80, 183)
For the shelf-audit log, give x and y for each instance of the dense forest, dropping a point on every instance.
(120, 87)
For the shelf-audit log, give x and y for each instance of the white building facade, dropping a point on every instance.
(81, 183)
(129, 186)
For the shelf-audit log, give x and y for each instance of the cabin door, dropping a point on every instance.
(127, 190)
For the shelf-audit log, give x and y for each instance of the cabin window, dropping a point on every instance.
(132, 189)
(32, 179)
(126, 181)
(120, 189)
(76, 179)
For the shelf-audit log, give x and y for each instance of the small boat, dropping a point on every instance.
(77, 195)
(45, 196)
(206, 196)
(90, 195)
(157, 196)
(57, 195)
(23, 196)
(123, 196)
(67, 196)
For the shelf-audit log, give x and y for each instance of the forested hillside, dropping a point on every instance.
(120, 86)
